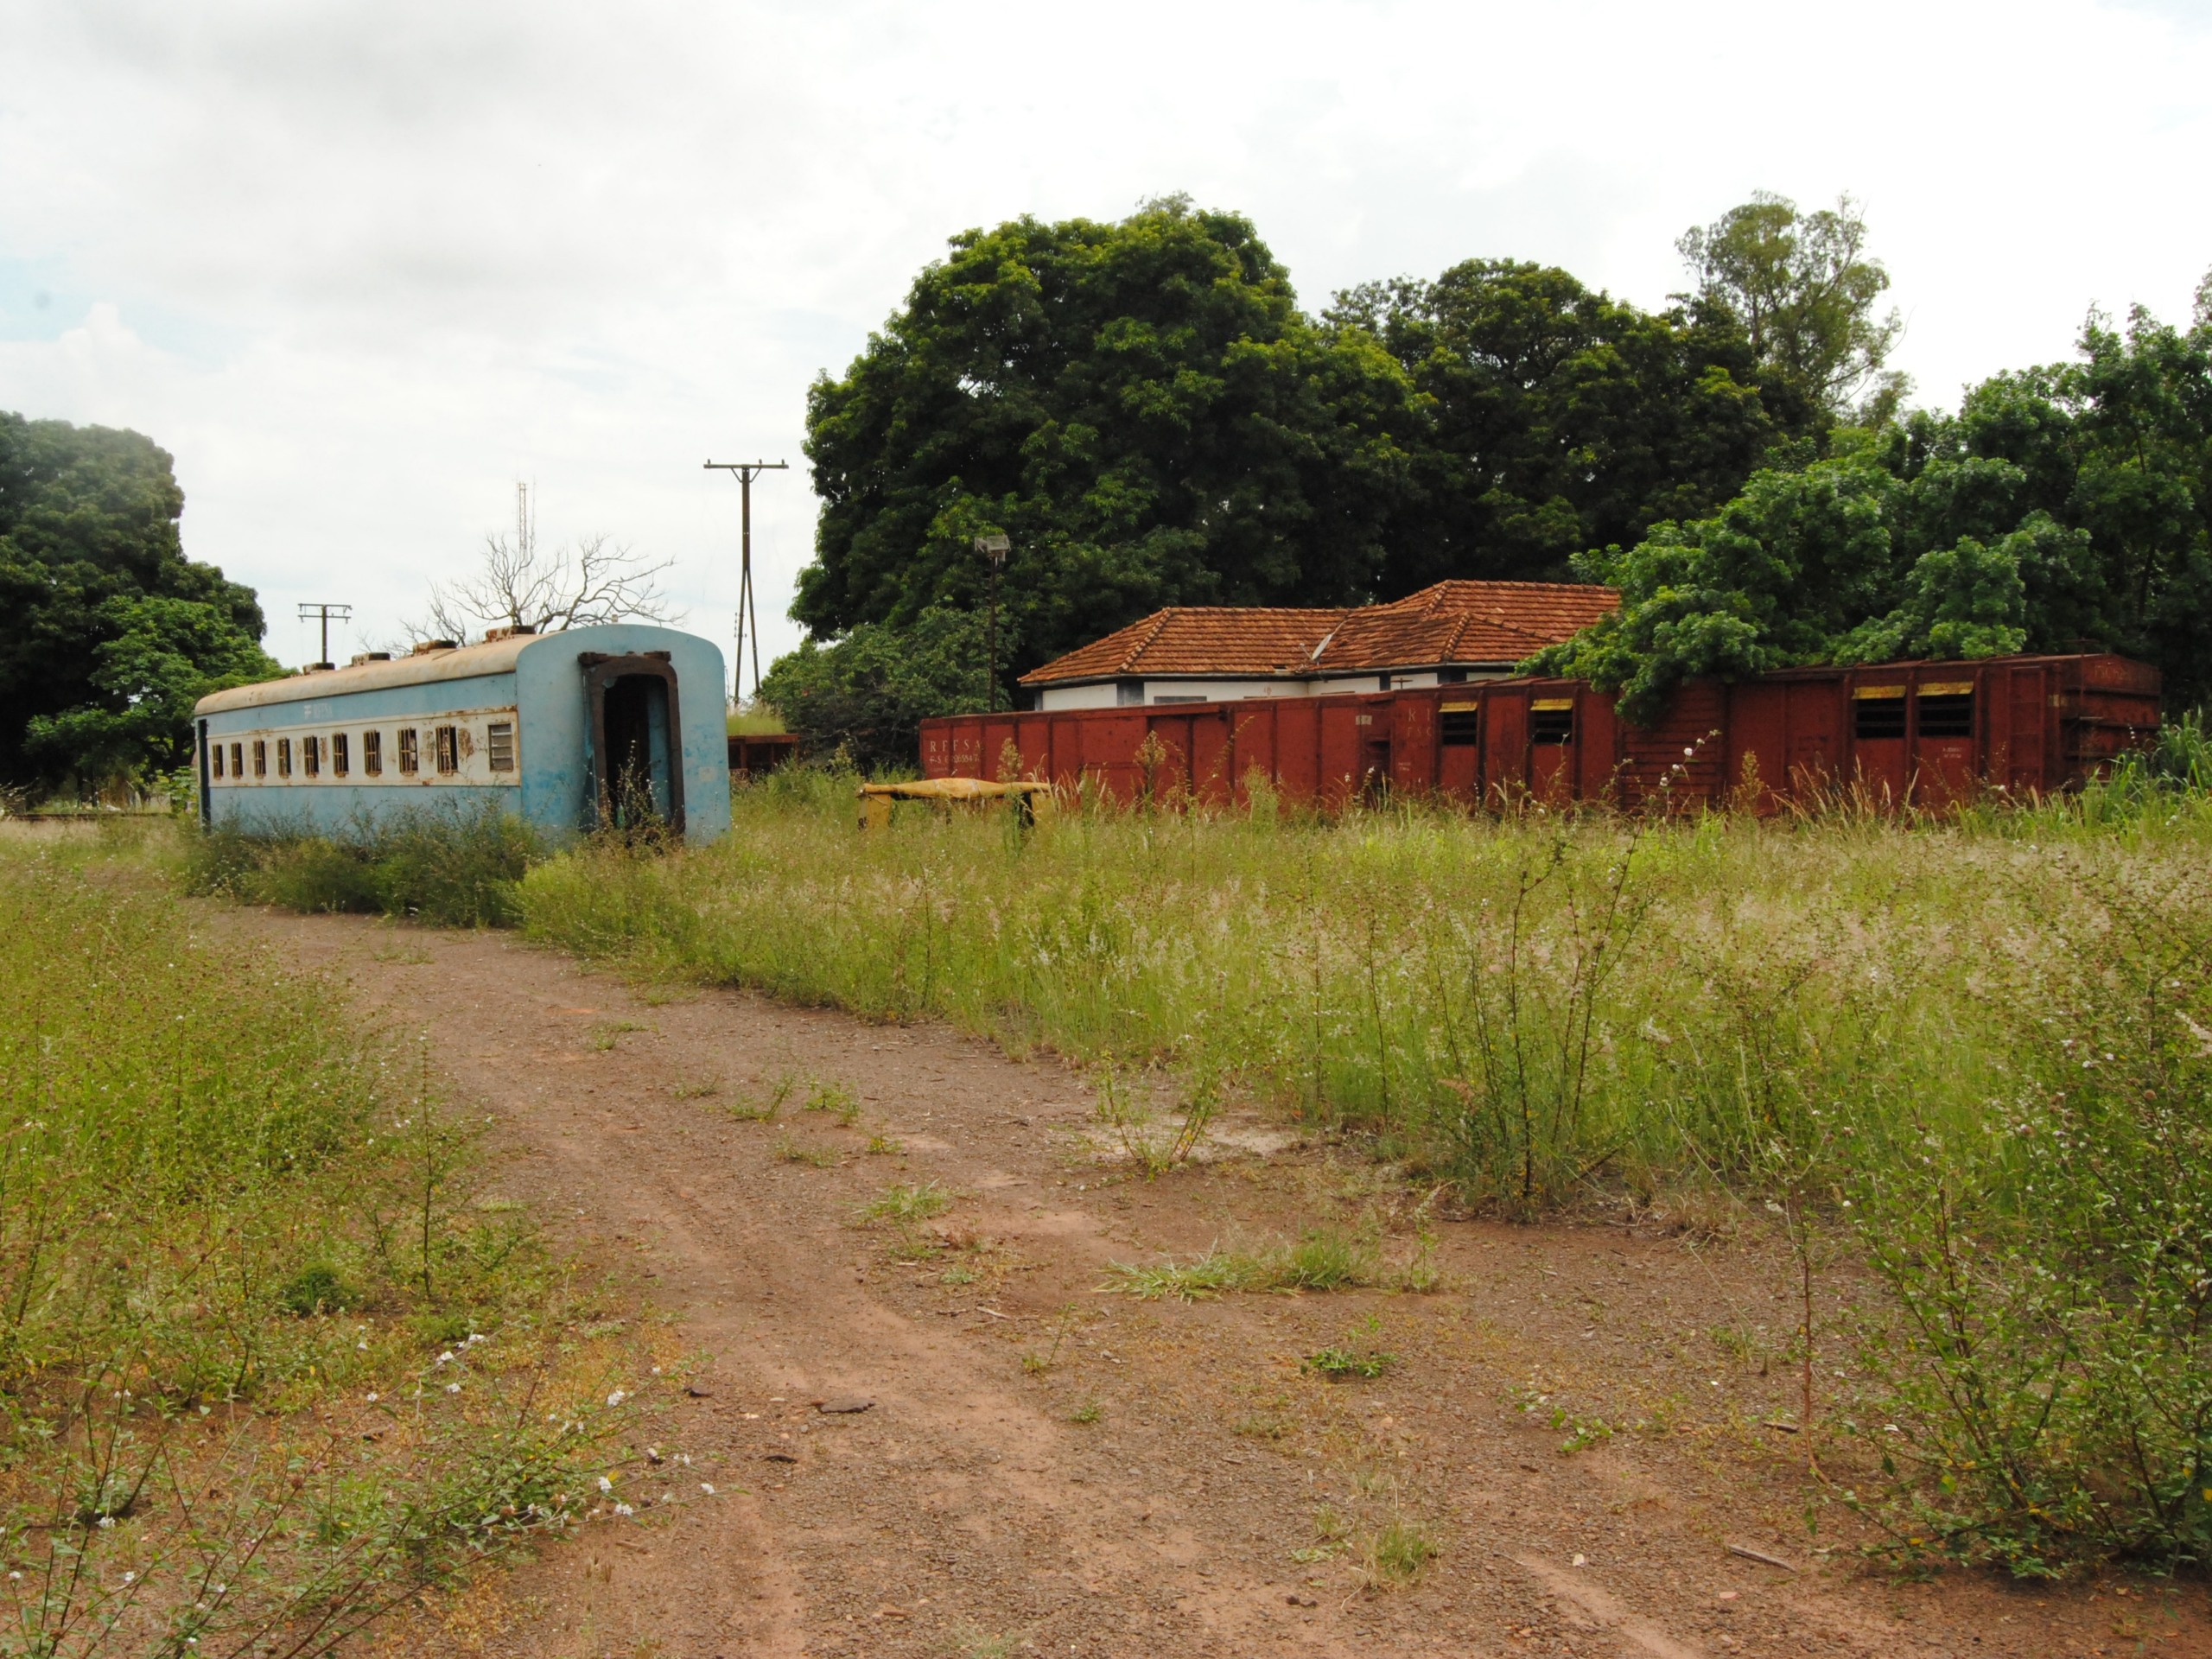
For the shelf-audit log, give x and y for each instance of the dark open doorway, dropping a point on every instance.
(637, 739)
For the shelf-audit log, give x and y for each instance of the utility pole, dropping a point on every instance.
(995, 549)
(746, 472)
(326, 613)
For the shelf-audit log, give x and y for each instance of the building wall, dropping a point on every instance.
(1106, 693)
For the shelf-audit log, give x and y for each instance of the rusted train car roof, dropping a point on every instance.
(462, 663)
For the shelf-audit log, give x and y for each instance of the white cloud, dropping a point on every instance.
(360, 265)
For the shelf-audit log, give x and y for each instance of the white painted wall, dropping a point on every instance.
(1102, 694)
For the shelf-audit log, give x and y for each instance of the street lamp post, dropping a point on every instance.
(993, 548)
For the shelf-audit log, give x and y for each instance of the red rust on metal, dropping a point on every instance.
(1927, 734)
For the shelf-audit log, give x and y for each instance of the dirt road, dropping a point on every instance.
(1045, 1465)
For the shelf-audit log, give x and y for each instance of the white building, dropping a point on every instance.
(1454, 632)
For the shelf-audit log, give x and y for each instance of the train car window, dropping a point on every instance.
(1946, 713)
(449, 750)
(261, 757)
(407, 761)
(311, 756)
(215, 755)
(340, 744)
(1460, 729)
(237, 759)
(284, 757)
(373, 754)
(1877, 711)
(1551, 720)
(500, 741)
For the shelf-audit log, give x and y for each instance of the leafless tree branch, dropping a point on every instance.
(518, 585)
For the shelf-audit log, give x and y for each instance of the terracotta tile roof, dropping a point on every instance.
(1464, 622)
(1199, 639)
(1453, 622)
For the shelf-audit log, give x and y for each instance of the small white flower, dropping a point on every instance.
(106, 1520)
(446, 1356)
(362, 1346)
(372, 1399)
(15, 1575)
(1891, 1428)
(131, 1578)
(708, 1487)
(604, 1485)
(617, 1397)
(452, 1387)
(624, 1509)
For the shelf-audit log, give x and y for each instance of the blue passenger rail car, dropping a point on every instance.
(565, 731)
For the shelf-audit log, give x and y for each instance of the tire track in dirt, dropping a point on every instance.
(973, 1510)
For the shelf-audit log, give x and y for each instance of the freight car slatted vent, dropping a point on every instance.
(1877, 711)
(1946, 710)
(1551, 720)
(1459, 725)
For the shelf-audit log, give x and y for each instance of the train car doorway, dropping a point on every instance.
(634, 718)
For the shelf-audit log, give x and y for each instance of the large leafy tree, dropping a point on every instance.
(1139, 406)
(1803, 289)
(1555, 417)
(867, 695)
(2061, 508)
(112, 633)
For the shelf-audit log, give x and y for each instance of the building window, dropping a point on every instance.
(500, 741)
(1876, 712)
(237, 761)
(408, 763)
(373, 754)
(1947, 712)
(1382, 682)
(1129, 694)
(1451, 677)
(339, 757)
(261, 757)
(449, 750)
(1551, 720)
(1165, 699)
(215, 754)
(311, 756)
(284, 757)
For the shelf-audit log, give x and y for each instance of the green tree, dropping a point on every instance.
(2063, 508)
(1803, 289)
(1557, 418)
(869, 692)
(113, 632)
(1140, 406)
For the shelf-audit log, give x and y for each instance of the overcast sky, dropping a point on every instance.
(360, 266)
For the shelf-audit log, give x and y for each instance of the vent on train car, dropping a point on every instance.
(1946, 710)
(500, 741)
(1876, 711)
(1459, 725)
(1551, 720)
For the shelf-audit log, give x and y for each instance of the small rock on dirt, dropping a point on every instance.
(844, 1405)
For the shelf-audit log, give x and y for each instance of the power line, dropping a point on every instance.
(746, 472)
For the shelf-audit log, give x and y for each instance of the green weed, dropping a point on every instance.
(1341, 1364)
(907, 1204)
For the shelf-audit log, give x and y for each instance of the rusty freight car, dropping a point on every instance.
(1925, 734)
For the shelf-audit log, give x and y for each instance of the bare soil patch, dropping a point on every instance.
(1044, 1466)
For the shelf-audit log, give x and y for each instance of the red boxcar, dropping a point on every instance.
(1923, 733)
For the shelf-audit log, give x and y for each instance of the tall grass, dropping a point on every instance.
(456, 867)
(262, 1368)
(1870, 1024)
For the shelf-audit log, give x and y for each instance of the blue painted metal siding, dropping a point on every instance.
(551, 784)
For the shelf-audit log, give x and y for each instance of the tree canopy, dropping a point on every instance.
(2062, 508)
(113, 632)
(1140, 406)
(1553, 418)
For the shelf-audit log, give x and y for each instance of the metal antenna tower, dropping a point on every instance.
(325, 611)
(746, 472)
